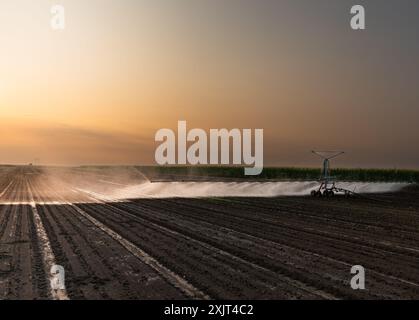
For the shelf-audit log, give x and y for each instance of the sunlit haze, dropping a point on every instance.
(96, 92)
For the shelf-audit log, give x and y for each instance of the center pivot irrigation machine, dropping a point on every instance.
(327, 186)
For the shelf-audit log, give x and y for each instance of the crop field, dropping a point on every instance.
(208, 172)
(199, 248)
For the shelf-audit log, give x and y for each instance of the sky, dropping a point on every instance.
(97, 92)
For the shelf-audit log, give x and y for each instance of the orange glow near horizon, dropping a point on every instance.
(97, 92)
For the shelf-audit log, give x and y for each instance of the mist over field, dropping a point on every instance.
(96, 184)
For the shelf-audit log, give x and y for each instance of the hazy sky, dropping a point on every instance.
(122, 69)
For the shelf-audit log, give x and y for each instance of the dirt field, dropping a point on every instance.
(214, 248)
